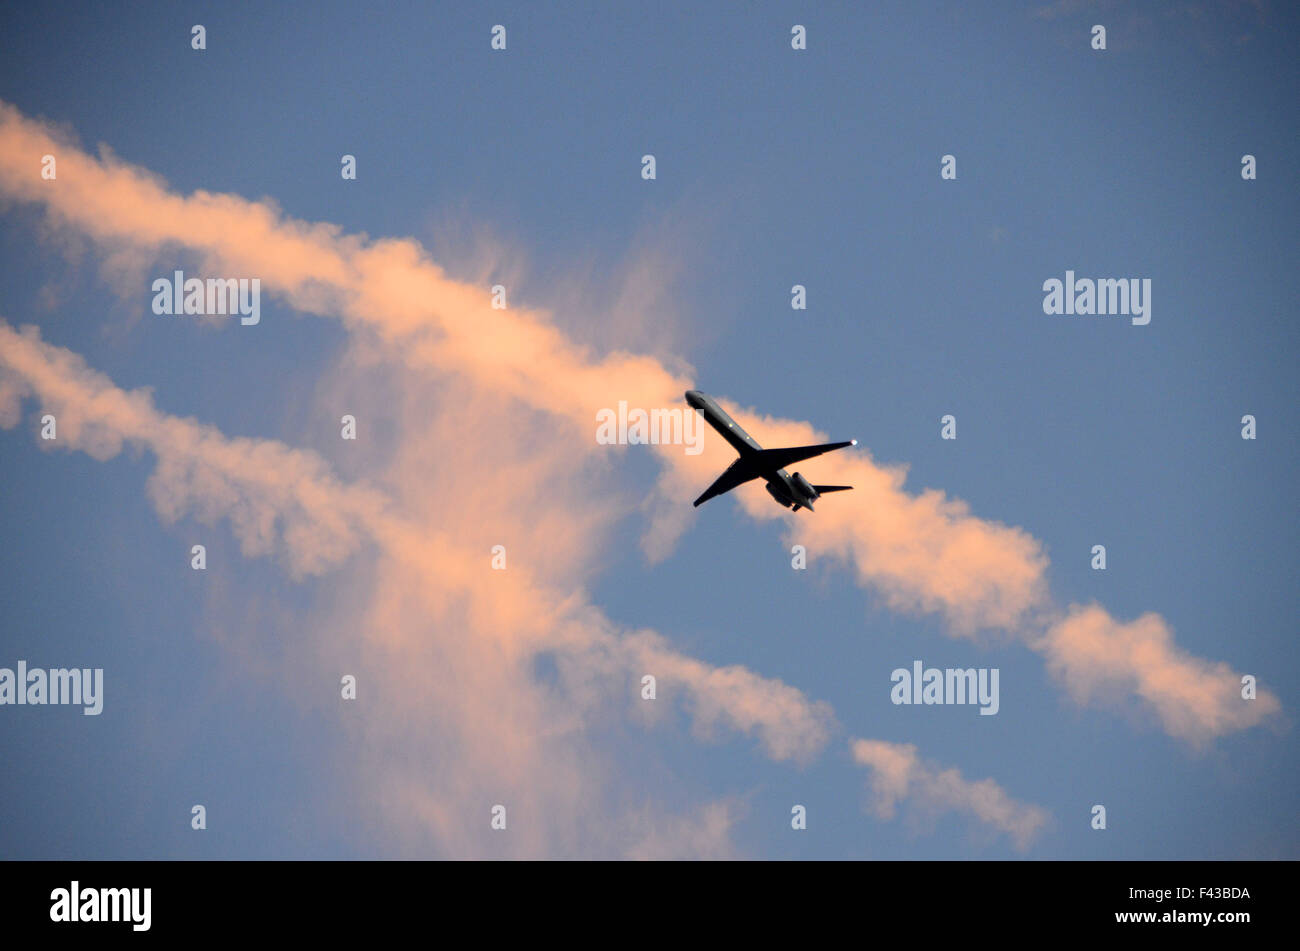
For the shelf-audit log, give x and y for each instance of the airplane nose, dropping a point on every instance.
(693, 398)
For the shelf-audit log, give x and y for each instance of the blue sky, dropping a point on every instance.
(774, 167)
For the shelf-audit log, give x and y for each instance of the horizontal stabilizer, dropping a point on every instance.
(769, 460)
(823, 489)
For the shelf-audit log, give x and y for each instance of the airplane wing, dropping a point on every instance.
(738, 473)
(769, 460)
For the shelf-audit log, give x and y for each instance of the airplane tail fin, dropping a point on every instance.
(823, 489)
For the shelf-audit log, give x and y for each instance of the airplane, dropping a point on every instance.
(791, 491)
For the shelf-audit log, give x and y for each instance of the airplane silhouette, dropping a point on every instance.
(792, 491)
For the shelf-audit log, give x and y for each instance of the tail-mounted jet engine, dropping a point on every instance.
(772, 492)
(805, 486)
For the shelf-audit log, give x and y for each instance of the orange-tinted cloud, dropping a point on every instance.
(276, 498)
(923, 552)
(1098, 657)
(898, 773)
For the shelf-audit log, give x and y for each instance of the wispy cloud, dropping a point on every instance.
(534, 392)
(1098, 658)
(898, 774)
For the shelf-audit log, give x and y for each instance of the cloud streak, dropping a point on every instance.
(1097, 657)
(897, 773)
(535, 393)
